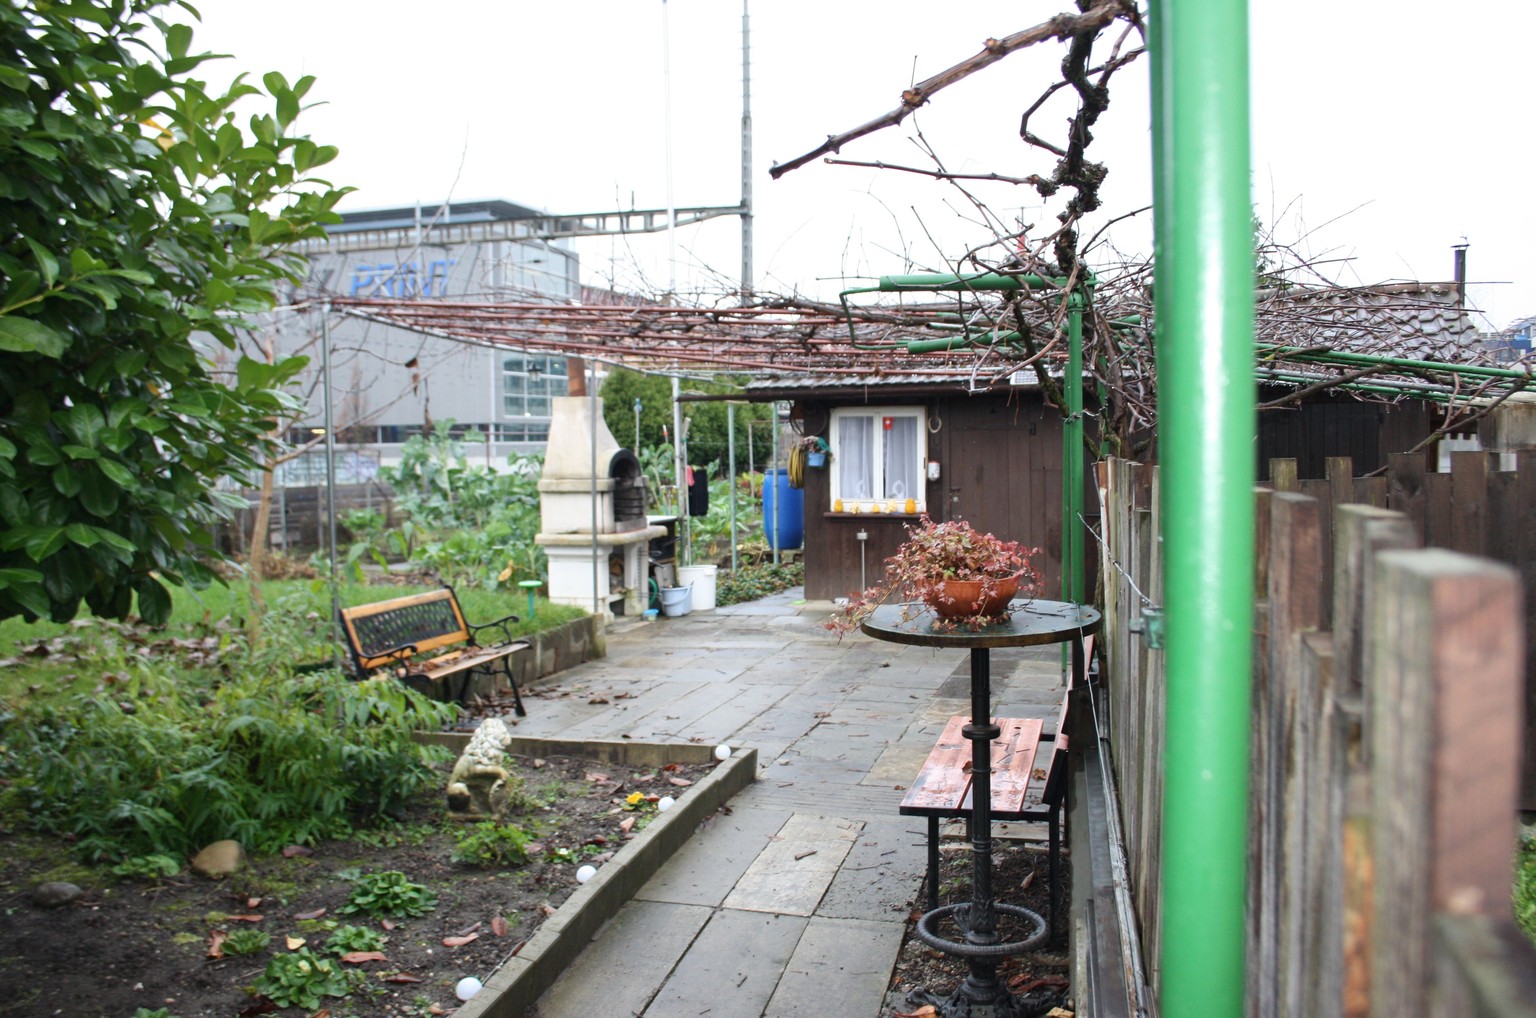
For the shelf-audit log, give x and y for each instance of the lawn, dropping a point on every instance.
(46, 659)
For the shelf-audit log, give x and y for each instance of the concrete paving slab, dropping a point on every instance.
(841, 966)
(854, 745)
(792, 873)
(806, 768)
(879, 879)
(730, 971)
(822, 798)
(898, 765)
(651, 937)
(735, 716)
(705, 869)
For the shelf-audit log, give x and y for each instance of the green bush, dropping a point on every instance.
(465, 523)
(1525, 887)
(389, 893)
(148, 868)
(752, 582)
(243, 942)
(163, 767)
(492, 844)
(300, 979)
(346, 939)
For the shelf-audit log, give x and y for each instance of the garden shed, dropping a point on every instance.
(992, 458)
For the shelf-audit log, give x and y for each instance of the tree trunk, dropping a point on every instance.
(256, 560)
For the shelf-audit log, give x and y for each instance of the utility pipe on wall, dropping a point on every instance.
(1206, 430)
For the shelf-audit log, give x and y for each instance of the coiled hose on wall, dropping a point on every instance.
(797, 467)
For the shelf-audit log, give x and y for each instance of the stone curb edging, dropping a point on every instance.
(514, 987)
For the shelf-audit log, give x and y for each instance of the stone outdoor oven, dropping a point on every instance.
(592, 514)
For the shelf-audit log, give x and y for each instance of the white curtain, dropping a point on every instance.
(854, 457)
(901, 459)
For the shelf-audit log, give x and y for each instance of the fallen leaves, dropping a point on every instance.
(359, 957)
(247, 918)
(294, 851)
(1024, 983)
(926, 1011)
(499, 926)
(294, 943)
(400, 977)
(460, 941)
(316, 914)
(216, 943)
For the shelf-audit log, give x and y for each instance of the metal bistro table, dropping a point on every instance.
(1032, 624)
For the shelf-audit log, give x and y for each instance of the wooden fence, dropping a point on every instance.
(1389, 704)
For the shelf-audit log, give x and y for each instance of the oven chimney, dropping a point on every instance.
(1460, 273)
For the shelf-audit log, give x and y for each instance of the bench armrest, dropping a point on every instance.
(502, 624)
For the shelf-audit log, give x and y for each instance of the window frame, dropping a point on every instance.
(835, 492)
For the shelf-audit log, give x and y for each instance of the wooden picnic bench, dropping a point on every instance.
(1029, 783)
(424, 641)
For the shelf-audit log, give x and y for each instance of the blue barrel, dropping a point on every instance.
(783, 509)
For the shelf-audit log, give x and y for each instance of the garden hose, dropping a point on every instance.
(797, 467)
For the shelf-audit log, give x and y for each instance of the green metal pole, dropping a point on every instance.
(1072, 459)
(1207, 425)
(949, 281)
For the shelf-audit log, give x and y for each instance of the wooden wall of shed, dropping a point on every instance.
(1339, 426)
(999, 469)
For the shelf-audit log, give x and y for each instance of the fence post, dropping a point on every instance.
(1469, 501)
(1295, 607)
(1405, 488)
(1445, 662)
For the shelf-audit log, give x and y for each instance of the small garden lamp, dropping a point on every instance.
(530, 586)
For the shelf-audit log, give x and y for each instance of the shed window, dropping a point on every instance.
(878, 455)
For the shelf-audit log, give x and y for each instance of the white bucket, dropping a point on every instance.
(703, 580)
(676, 601)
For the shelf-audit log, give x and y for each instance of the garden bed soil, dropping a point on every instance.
(1038, 977)
(128, 945)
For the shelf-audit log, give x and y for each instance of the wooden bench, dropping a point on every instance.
(423, 641)
(1029, 783)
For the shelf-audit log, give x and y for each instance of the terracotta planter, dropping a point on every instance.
(963, 599)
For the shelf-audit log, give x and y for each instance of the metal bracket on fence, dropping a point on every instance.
(1150, 627)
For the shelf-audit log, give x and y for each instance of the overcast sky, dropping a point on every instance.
(1383, 133)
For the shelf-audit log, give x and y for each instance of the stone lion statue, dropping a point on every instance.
(480, 786)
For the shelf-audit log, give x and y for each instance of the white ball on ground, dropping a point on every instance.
(468, 987)
(585, 873)
(722, 752)
(664, 803)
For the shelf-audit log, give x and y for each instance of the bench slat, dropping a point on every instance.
(471, 659)
(944, 779)
(943, 786)
(1013, 763)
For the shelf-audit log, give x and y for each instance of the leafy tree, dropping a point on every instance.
(137, 217)
(707, 434)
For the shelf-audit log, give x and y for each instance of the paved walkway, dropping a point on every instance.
(794, 903)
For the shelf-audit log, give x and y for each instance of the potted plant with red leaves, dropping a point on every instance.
(964, 577)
